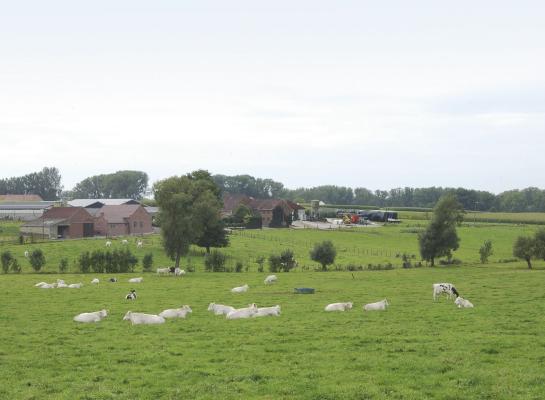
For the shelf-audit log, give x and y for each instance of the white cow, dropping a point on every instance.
(447, 288)
(266, 311)
(463, 303)
(220, 309)
(91, 316)
(75, 285)
(40, 284)
(378, 306)
(163, 271)
(240, 289)
(176, 312)
(139, 318)
(338, 307)
(139, 244)
(27, 254)
(48, 286)
(125, 242)
(246, 312)
(94, 281)
(61, 284)
(108, 244)
(179, 272)
(270, 280)
(136, 280)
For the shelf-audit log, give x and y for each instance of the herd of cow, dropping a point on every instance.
(230, 312)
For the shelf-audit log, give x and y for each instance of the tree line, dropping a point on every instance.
(134, 184)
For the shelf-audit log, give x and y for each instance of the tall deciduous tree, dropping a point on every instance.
(440, 238)
(121, 184)
(525, 248)
(186, 204)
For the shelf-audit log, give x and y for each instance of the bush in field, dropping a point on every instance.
(126, 261)
(485, 251)
(324, 253)
(63, 265)
(6, 258)
(98, 261)
(147, 262)
(260, 261)
(15, 267)
(215, 262)
(275, 263)
(287, 259)
(524, 248)
(84, 262)
(238, 266)
(37, 259)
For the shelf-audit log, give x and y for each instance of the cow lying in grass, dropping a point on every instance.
(95, 316)
(378, 306)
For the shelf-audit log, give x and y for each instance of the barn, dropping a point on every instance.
(61, 223)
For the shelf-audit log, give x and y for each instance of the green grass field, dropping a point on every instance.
(359, 247)
(417, 349)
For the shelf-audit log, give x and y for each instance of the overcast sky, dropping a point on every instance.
(356, 93)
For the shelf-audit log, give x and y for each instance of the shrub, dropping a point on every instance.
(406, 261)
(84, 262)
(215, 262)
(15, 267)
(287, 260)
(21, 239)
(6, 258)
(37, 259)
(485, 251)
(98, 261)
(324, 253)
(260, 261)
(63, 265)
(147, 262)
(238, 266)
(275, 263)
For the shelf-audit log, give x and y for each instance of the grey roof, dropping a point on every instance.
(27, 205)
(40, 222)
(106, 202)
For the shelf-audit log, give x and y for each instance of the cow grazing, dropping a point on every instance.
(95, 281)
(139, 244)
(338, 307)
(108, 244)
(163, 271)
(112, 280)
(139, 318)
(447, 288)
(95, 316)
(378, 306)
(179, 272)
(220, 309)
(131, 295)
(125, 242)
(463, 303)
(176, 312)
(240, 289)
(269, 280)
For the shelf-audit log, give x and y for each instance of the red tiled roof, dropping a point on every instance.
(62, 212)
(231, 201)
(118, 214)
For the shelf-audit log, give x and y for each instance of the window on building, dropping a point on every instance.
(134, 224)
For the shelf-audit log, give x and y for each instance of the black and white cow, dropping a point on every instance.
(112, 280)
(447, 288)
(131, 295)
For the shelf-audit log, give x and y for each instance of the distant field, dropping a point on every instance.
(417, 349)
(511, 218)
(360, 247)
(9, 230)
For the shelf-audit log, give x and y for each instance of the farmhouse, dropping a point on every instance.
(125, 219)
(61, 223)
(274, 212)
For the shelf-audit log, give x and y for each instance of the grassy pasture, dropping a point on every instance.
(359, 247)
(534, 218)
(417, 349)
